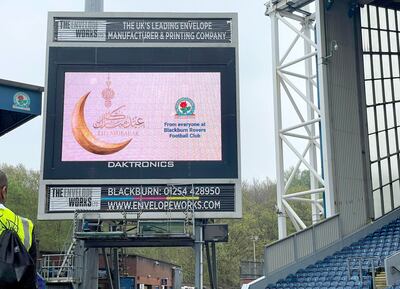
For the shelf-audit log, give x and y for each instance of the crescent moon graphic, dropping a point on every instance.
(85, 137)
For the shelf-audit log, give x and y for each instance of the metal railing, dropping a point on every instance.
(392, 268)
(301, 245)
(59, 268)
(251, 270)
(363, 266)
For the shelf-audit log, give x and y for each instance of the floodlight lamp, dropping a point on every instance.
(334, 46)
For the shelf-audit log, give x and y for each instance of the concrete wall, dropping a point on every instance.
(346, 114)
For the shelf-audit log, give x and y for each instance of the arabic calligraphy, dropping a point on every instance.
(116, 119)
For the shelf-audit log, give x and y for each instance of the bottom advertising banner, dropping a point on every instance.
(141, 198)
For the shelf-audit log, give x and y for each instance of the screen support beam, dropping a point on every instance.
(198, 248)
(94, 5)
(299, 76)
(91, 255)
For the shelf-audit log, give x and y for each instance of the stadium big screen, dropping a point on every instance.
(137, 125)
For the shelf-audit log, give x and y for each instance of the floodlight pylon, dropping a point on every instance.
(305, 90)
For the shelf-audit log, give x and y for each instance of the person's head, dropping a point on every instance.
(3, 187)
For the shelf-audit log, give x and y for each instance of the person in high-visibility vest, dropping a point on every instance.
(25, 231)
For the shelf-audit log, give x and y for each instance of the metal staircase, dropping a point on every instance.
(380, 280)
(62, 270)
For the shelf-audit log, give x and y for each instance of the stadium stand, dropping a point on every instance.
(353, 267)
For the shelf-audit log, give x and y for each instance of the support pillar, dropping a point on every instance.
(310, 116)
(90, 268)
(116, 276)
(94, 5)
(325, 123)
(198, 248)
(280, 185)
(91, 256)
(215, 264)
(109, 276)
(210, 266)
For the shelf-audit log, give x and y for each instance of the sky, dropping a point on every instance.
(23, 30)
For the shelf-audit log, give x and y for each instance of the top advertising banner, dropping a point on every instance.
(143, 30)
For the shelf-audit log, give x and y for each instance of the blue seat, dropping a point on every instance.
(332, 271)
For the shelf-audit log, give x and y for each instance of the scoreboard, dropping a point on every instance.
(141, 116)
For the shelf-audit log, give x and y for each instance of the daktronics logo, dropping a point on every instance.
(161, 164)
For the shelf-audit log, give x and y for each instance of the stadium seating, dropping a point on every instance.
(350, 268)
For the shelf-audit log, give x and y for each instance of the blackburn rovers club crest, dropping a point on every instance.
(22, 101)
(184, 106)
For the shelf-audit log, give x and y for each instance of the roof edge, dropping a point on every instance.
(21, 85)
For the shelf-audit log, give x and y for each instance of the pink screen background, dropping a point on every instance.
(151, 96)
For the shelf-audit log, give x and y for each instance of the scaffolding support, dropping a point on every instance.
(298, 78)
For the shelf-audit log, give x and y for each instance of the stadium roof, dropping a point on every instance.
(296, 5)
(19, 103)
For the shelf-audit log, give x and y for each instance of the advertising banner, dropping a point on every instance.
(142, 198)
(143, 30)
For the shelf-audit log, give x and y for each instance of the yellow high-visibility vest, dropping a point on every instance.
(22, 226)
